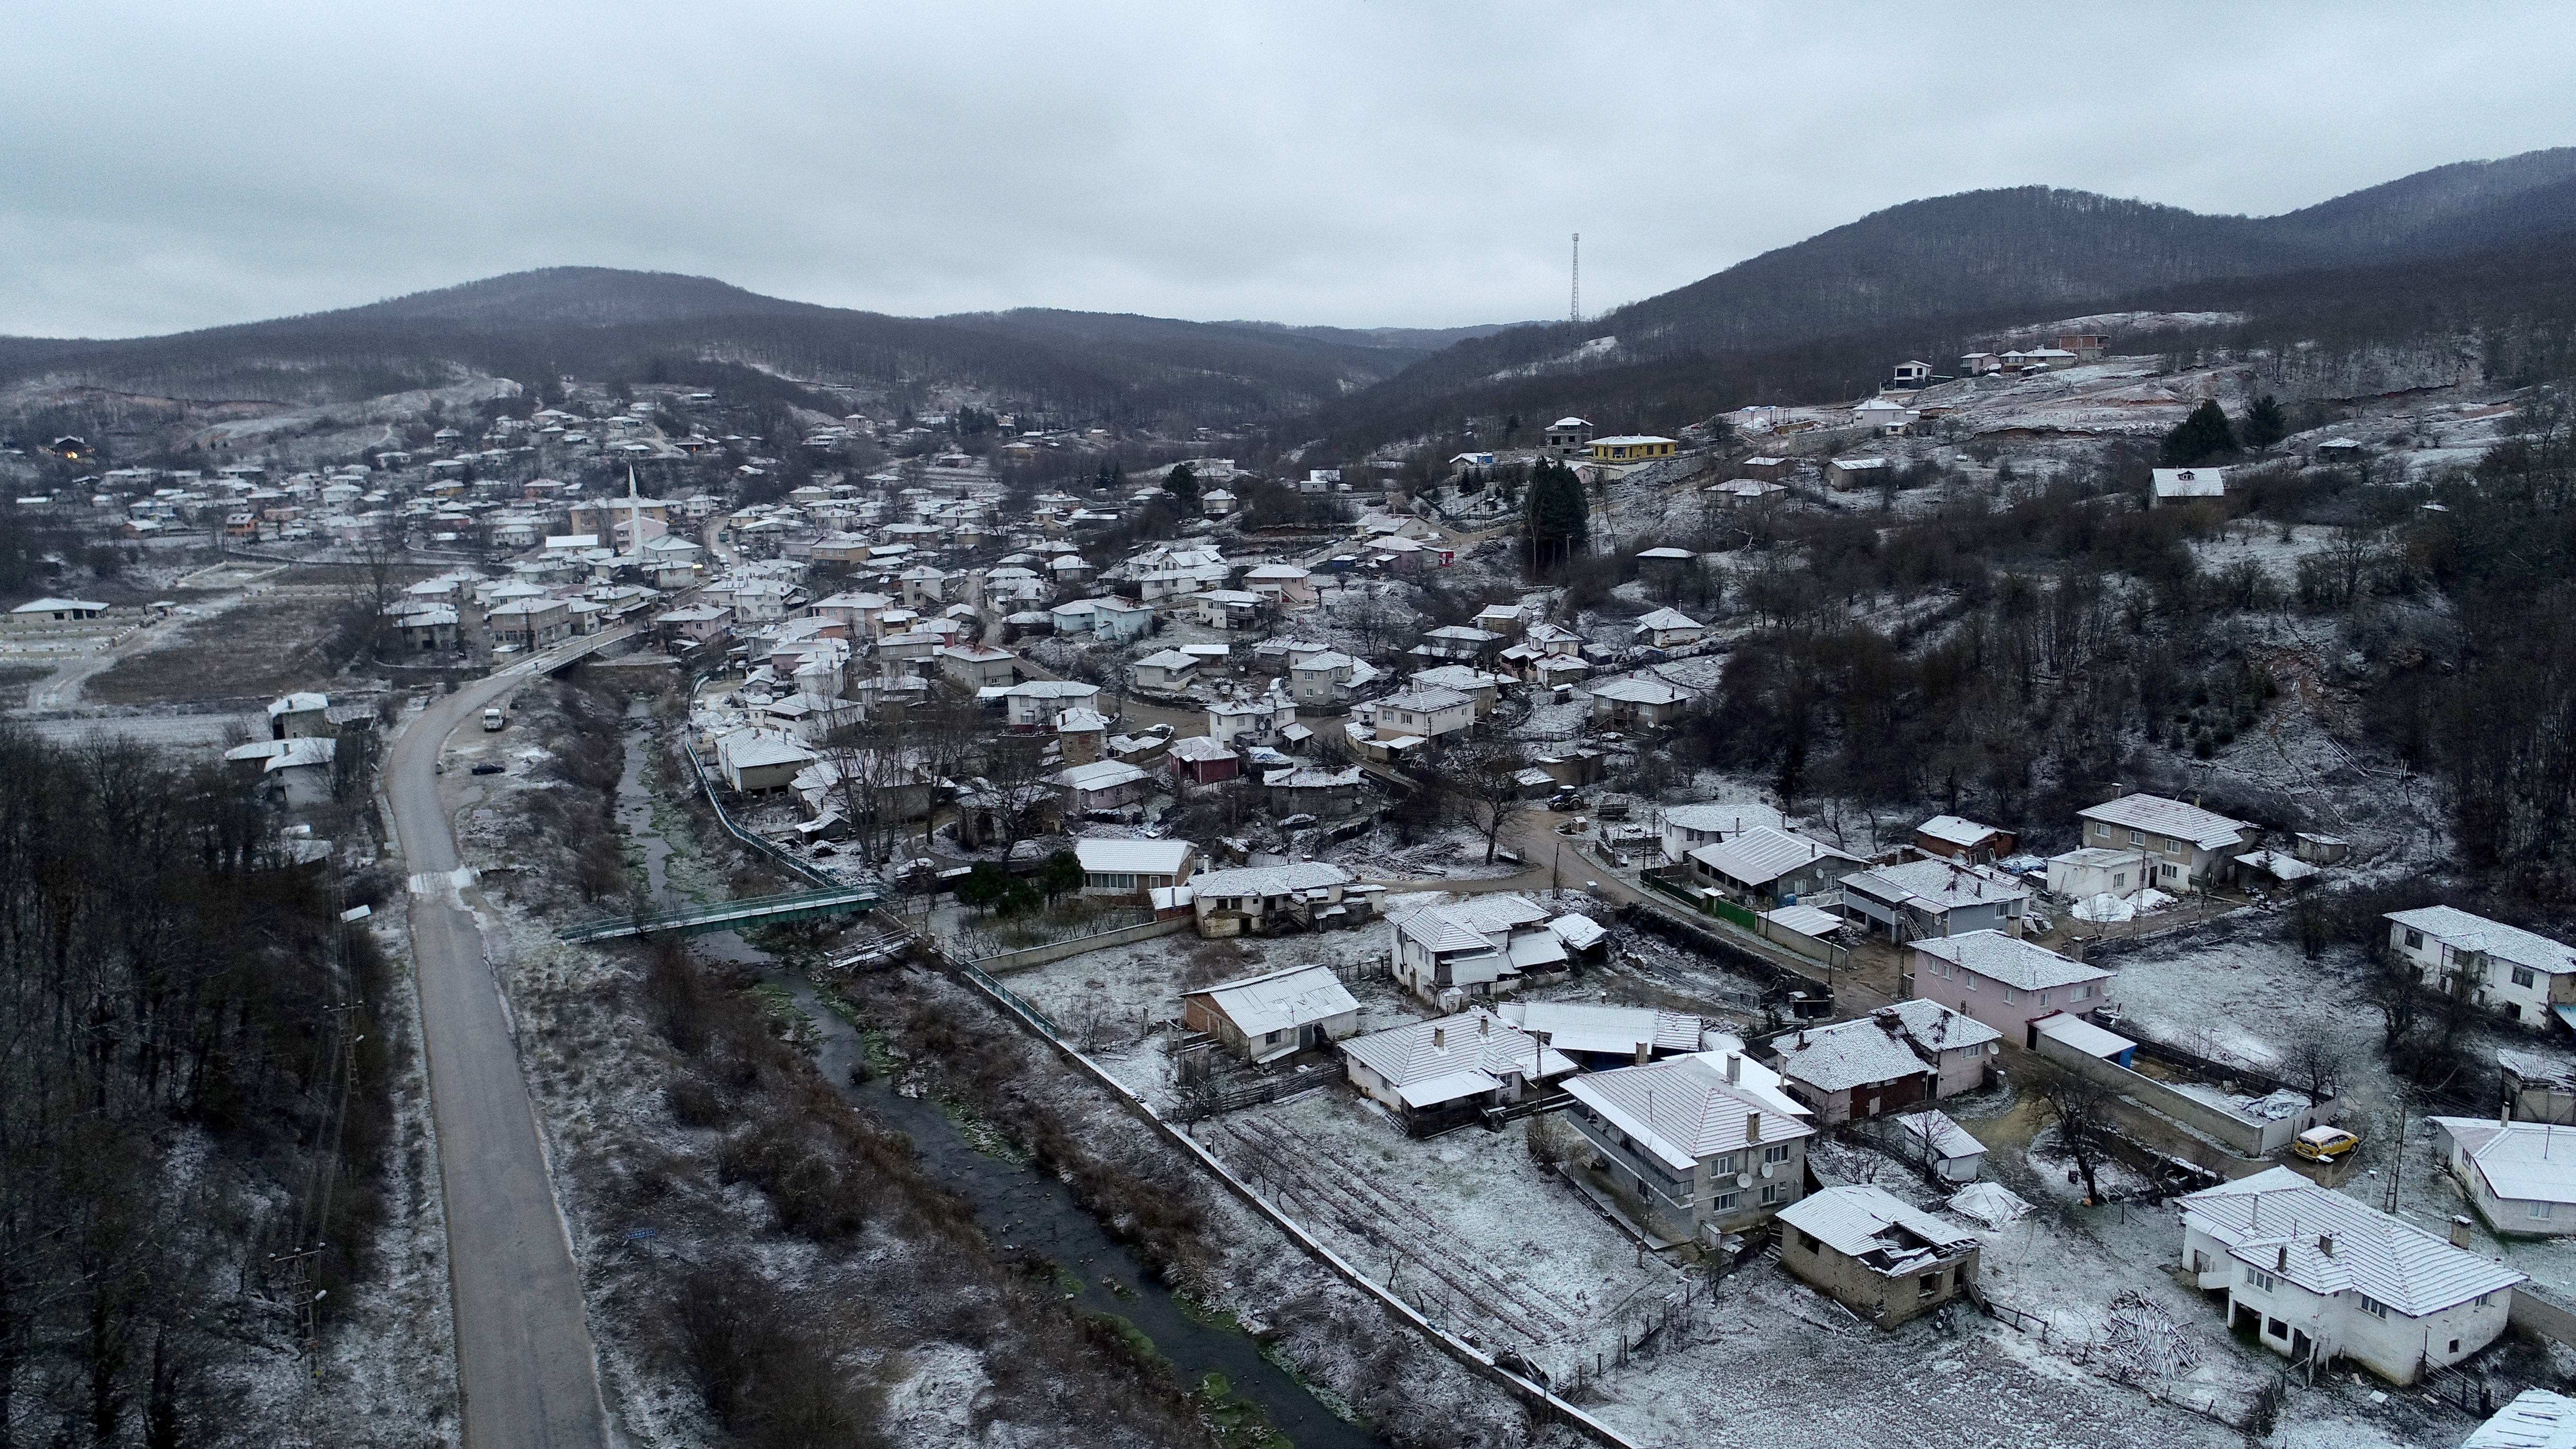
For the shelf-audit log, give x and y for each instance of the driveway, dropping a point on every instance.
(525, 1367)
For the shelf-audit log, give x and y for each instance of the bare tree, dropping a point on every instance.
(2315, 1058)
(2081, 1110)
(1484, 779)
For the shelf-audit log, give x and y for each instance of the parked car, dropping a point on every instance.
(2324, 1144)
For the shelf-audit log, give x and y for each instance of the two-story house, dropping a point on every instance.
(1481, 948)
(1688, 1145)
(1919, 898)
(2191, 847)
(2505, 968)
(2005, 982)
(1426, 714)
(1763, 867)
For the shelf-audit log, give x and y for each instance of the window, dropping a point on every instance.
(2276, 1328)
(1928, 1285)
(1724, 1202)
(2540, 1210)
(2414, 940)
(1781, 1154)
(2120, 881)
(2043, 998)
(2171, 871)
(1807, 1241)
(2080, 992)
(2522, 976)
(2257, 1278)
(2455, 1346)
(1724, 1165)
(2137, 837)
(2011, 996)
(1972, 980)
(2482, 1299)
(2373, 1306)
(1772, 1193)
(2101, 828)
(1271, 1040)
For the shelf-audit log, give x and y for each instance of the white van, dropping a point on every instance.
(494, 718)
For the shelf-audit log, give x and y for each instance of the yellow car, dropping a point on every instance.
(2325, 1144)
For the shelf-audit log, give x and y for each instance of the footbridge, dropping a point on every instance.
(731, 915)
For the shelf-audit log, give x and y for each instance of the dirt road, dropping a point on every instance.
(525, 1367)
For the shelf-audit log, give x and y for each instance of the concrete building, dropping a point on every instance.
(1268, 900)
(2316, 1276)
(1480, 948)
(2006, 983)
(1874, 1255)
(2193, 848)
(1130, 869)
(1938, 897)
(1688, 1148)
(2518, 1175)
(1439, 1074)
(2524, 975)
(1852, 1069)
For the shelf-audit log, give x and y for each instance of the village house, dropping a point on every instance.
(529, 623)
(1131, 869)
(56, 611)
(303, 715)
(1483, 688)
(1439, 1074)
(1458, 642)
(1874, 1255)
(2004, 982)
(2526, 976)
(1687, 827)
(1936, 897)
(974, 667)
(1669, 629)
(1637, 701)
(2316, 1276)
(1854, 1069)
(2182, 485)
(1166, 670)
(1426, 714)
(1202, 760)
(1568, 438)
(1307, 790)
(1267, 900)
(1478, 949)
(2082, 875)
(2518, 1175)
(2193, 847)
(1850, 473)
(1954, 838)
(1689, 1147)
(1279, 585)
(1330, 677)
(1763, 868)
(753, 761)
(294, 771)
(1630, 448)
(1035, 704)
(2537, 1088)
(1103, 785)
(1276, 1014)
(1960, 1048)
(1255, 721)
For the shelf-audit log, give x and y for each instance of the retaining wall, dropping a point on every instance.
(2540, 1317)
(2242, 1136)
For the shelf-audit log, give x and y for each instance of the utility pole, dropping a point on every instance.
(1574, 313)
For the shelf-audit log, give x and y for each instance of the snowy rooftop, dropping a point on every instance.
(1852, 1054)
(1132, 857)
(1944, 1136)
(1601, 1030)
(1727, 818)
(1858, 1220)
(1936, 885)
(2275, 1219)
(2521, 1161)
(1684, 1109)
(1957, 830)
(1937, 1027)
(1763, 854)
(2157, 815)
(1472, 1041)
(1270, 880)
(2536, 1419)
(2465, 932)
(2014, 962)
(1282, 1000)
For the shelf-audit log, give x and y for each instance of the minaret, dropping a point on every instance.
(634, 520)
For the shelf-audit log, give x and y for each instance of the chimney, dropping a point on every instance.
(1440, 1038)
(2325, 1244)
(2460, 1231)
(1484, 1025)
(2118, 792)
(1752, 1126)
(1734, 1069)
(1642, 1053)
(2282, 1262)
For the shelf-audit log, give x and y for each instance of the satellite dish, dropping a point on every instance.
(1744, 1179)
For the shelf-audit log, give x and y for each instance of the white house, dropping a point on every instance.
(1423, 713)
(2100, 870)
(1035, 704)
(2004, 982)
(2192, 846)
(1934, 897)
(1262, 900)
(1764, 868)
(2521, 1178)
(1103, 785)
(1275, 1014)
(1166, 669)
(2536, 1419)
(1240, 722)
(2524, 975)
(1133, 867)
(2315, 1276)
(1480, 948)
(1687, 827)
(1637, 700)
(1884, 417)
(1669, 629)
(1953, 1154)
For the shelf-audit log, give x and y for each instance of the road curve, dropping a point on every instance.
(525, 1368)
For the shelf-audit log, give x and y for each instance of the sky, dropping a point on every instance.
(1357, 164)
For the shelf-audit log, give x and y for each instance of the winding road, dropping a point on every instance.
(525, 1367)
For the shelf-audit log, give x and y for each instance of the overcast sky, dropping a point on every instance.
(172, 166)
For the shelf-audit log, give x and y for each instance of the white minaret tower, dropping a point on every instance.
(634, 520)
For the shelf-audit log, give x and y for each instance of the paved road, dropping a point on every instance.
(525, 1367)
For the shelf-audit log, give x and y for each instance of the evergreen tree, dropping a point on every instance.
(1183, 483)
(2265, 424)
(2198, 438)
(1558, 521)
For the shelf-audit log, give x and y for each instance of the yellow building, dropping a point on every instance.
(1631, 449)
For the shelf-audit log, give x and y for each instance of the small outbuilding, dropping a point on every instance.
(1874, 1255)
(1275, 1014)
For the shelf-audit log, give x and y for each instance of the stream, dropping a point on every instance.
(1018, 1206)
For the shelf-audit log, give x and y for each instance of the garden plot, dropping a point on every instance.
(1466, 1225)
(1454, 853)
(2232, 990)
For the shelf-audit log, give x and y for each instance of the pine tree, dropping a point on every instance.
(2265, 424)
(2198, 438)
(1558, 521)
(1183, 483)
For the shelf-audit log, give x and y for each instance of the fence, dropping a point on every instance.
(1028, 956)
(733, 828)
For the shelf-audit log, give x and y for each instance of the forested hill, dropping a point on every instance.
(602, 322)
(2027, 253)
